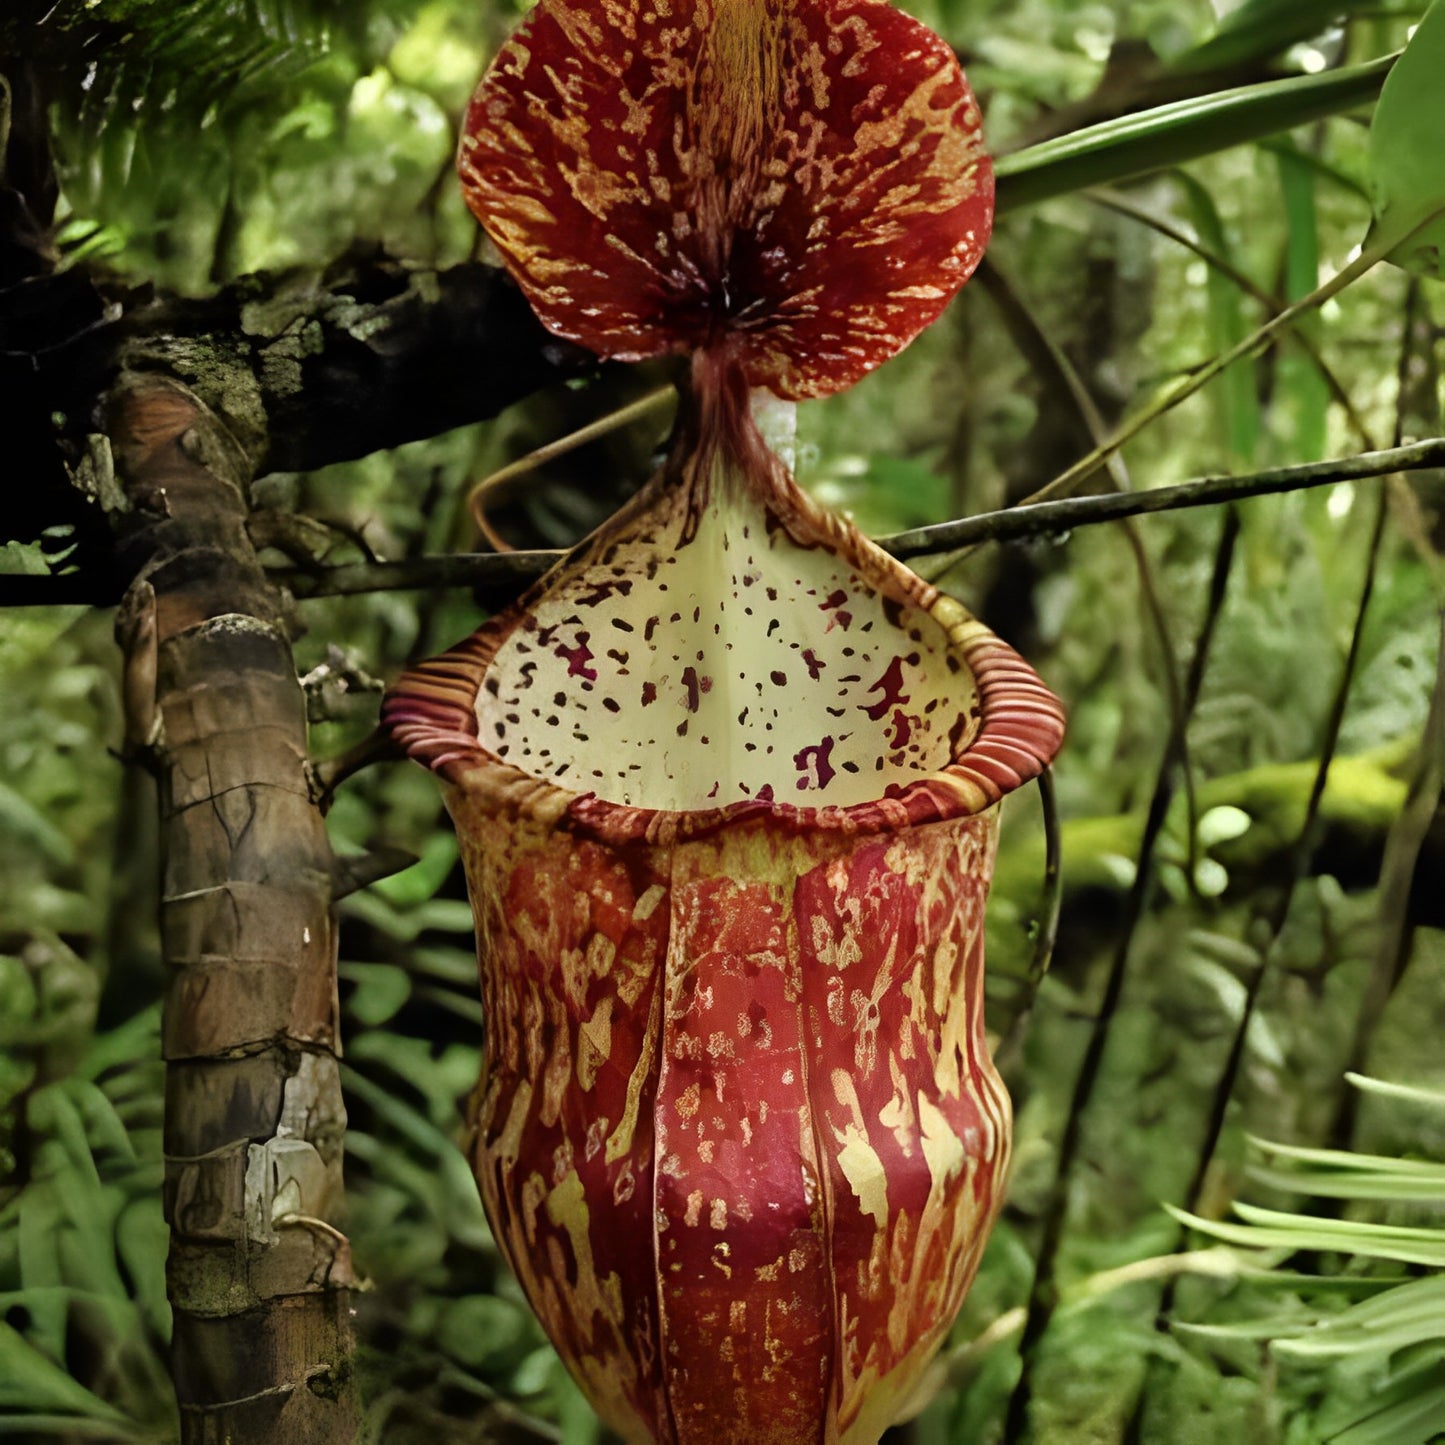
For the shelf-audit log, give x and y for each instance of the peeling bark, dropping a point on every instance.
(259, 1273)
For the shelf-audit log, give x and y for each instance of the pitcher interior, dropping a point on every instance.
(706, 657)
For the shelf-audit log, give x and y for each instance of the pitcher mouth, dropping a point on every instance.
(1010, 724)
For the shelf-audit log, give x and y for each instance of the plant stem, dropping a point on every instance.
(1121, 205)
(1050, 907)
(1043, 1295)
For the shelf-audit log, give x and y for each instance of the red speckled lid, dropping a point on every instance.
(799, 183)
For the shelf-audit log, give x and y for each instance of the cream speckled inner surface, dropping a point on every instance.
(696, 671)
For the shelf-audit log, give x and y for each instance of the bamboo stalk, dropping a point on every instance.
(254, 1115)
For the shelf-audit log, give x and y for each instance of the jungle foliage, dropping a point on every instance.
(1237, 1240)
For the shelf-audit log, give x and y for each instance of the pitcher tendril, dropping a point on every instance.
(726, 780)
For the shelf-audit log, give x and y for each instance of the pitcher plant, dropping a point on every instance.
(726, 781)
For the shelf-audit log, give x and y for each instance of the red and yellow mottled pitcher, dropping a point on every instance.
(726, 780)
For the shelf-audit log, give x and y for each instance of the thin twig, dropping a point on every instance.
(329, 774)
(1122, 206)
(1250, 345)
(1303, 852)
(1301, 860)
(1400, 865)
(1045, 519)
(1013, 524)
(496, 570)
(1050, 363)
(1306, 841)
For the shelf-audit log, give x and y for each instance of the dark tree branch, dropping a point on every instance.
(367, 356)
(304, 370)
(502, 573)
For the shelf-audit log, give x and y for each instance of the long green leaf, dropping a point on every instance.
(1363, 1185)
(1258, 28)
(1182, 131)
(32, 1381)
(29, 827)
(104, 1128)
(1345, 1160)
(1406, 176)
(1362, 1229)
(1406, 1412)
(1403, 1316)
(1408, 1093)
(1339, 1174)
(1298, 1231)
(1303, 389)
(137, 1038)
(1272, 1329)
(402, 1117)
(1227, 327)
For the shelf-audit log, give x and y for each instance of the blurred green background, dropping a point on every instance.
(199, 142)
